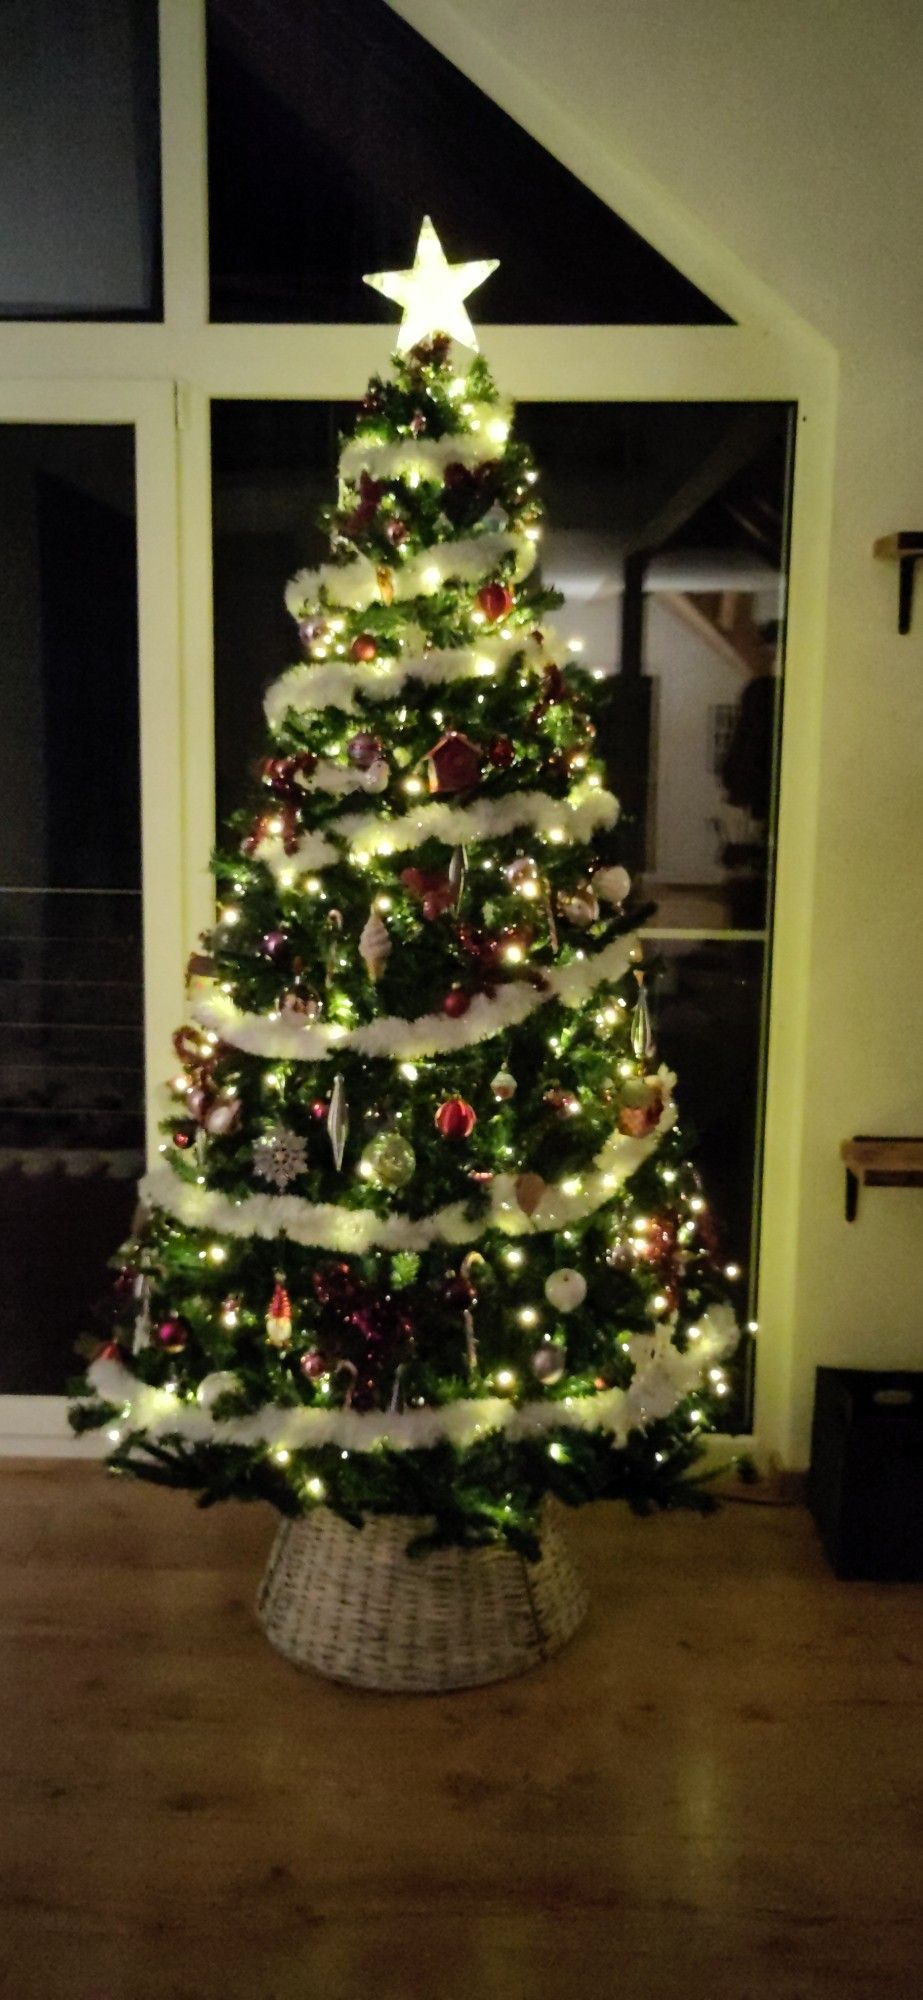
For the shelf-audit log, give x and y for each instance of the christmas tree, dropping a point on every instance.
(425, 1238)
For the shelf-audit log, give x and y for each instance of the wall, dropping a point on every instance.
(788, 133)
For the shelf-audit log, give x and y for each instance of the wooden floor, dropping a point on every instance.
(715, 1794)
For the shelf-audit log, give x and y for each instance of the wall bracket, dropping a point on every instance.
(906, 549)
(879, 1163)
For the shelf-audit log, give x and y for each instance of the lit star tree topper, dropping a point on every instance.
(432, 293)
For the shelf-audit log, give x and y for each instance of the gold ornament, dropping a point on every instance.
(578, 906)
(529, 1190)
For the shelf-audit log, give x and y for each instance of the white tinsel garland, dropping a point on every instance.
(576, 818)
(353, 586)
(327, 1226)
(572, 820)
(427, 458)
(310, 688)
(294, 1039)
(616, 1411)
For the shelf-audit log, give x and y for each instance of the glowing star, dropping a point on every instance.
(432, 293)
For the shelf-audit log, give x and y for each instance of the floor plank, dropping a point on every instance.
(716, 1791)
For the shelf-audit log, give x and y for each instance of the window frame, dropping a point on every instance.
(162, 376)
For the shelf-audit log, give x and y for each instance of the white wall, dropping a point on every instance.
(792, 131)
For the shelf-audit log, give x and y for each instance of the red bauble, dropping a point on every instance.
(182, 1139)
(364, 647)
(501, 753)
(495, 600)
(319, 1108)
(172, 1335)
(456, 1002)
(455, 1119)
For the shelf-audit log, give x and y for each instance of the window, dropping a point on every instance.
(71, 1069)
(326, 122)
(315, 174)
(666, 533)
(79, 160)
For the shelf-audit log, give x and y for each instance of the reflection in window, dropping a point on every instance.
(331, 129)
(71, 1122)
(79, 160)
(667, 535)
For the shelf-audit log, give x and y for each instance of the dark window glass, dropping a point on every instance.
(667, 533)
(79, 160)
(332, 128)
(71, 1119)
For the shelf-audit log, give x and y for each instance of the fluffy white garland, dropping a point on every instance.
(310, 688)
(326, 1226)
(614, 1164)
(663, 1378)
(295, 1039)
(580, 815)
(353, 586)
(428, 457)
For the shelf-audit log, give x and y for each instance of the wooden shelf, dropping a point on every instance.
(872, 1162)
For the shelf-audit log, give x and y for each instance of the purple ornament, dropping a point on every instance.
(310, 629)
(363, 749)
(312, 1365)
(274, 944)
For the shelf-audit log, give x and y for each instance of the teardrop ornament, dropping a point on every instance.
(338, 1121)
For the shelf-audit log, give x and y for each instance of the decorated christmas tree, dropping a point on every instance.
(425, 1240)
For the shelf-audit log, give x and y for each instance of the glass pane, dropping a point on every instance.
(79, 160)
(71, 1096)
(666, 532)
(331, 128)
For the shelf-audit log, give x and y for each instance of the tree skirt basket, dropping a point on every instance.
(352, 1604)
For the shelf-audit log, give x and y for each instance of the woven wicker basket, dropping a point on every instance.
(352, 1604)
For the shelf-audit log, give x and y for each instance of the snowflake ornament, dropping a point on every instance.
(279, 1156)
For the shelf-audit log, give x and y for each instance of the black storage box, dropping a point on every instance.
(865, 1486)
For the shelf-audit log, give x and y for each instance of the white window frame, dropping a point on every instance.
(162, 377)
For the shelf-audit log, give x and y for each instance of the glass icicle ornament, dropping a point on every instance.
(642, 1034)
(338, 1121)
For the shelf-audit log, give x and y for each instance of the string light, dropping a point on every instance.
(528, 1316)
(316, 1488)
(505, 1378)
(409, 1071)
(217, 1253)
(281, 1456)
(514, 1258)
(557, 1452)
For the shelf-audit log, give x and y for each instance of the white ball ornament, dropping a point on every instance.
(377, 778)
(565, 1290)
(223, 1383)
(503, 1086)
(612, 884)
